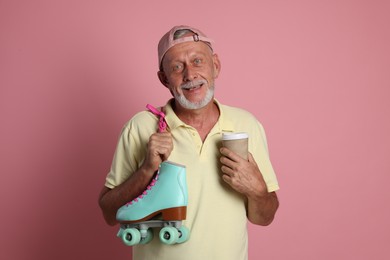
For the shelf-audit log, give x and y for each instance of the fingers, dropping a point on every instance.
(239, 173)
(230, 154)
(231, 165)
(161, 144)
(159, 148)
(231, 172)
(228, 179)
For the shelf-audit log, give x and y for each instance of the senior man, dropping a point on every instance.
(224, 190)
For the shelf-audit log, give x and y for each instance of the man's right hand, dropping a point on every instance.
(160, 146)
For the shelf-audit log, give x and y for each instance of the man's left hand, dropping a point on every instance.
(242, 175)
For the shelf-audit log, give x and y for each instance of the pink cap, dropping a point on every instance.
(168, 41)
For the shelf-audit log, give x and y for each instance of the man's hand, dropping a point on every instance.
(242, 175)
(245, 177)
(159, 148)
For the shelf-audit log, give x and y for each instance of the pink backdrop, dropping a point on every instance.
(315, 73)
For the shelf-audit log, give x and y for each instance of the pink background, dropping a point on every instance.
(315, 73)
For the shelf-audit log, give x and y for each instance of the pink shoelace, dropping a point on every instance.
(162, 126)
(145, 192)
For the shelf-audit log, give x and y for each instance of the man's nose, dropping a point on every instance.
(189, 74)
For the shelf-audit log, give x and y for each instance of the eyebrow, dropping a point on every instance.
(191, 56)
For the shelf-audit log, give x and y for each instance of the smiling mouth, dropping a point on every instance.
(193, 87)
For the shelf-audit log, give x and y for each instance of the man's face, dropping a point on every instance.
(190, 69)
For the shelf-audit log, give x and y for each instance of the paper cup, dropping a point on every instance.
(236, 142)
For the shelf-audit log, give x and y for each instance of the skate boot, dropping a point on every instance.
(166, 197)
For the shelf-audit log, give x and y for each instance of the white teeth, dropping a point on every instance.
(193, 87)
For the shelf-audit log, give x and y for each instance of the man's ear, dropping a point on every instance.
(217, 65)
(163, 78)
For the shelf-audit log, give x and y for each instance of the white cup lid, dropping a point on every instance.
(234, 136)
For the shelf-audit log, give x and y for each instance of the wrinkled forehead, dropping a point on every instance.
(182, 51)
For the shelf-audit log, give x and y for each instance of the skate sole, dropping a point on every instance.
(170, 214)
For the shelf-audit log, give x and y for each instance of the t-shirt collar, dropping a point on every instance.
(224, 124)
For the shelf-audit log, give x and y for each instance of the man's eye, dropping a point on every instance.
(177, 67)
(197, 61)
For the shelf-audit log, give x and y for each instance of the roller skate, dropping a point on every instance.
(162, 205)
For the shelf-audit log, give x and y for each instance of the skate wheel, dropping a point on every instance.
(148, 238)
(131, 236)
(169, 235)
(184, 234)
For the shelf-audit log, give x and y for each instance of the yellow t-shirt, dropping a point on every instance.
(216, 214)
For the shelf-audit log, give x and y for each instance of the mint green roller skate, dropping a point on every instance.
(166, 196)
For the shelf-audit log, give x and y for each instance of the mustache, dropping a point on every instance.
(192, 84)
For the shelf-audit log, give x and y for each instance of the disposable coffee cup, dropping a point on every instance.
(236, 142)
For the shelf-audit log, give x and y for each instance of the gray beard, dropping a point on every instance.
(189, 105)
